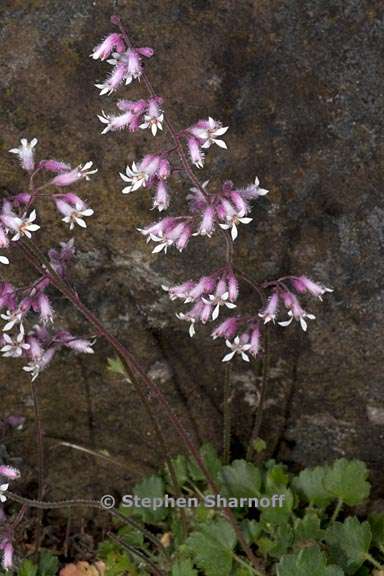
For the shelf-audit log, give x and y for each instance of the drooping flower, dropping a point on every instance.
(7, 549)
(207, 132)
(73, 209)
(112, 42)
(21, 226)
(226, 329)
(232, 218)
(9, 472)
(127, 66)
(3, 490)
(139, 175)
(14, 347)
(154, 116)
(295, 311)
(26, 154)
(269, 312)
(237, 347)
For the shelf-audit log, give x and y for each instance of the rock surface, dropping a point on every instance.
(300, 85)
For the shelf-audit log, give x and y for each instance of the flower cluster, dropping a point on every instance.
(222, 209)
(28, 331)
(136, 114)
(18, 219)
(37, 345)
(126, 62)
(208, 294)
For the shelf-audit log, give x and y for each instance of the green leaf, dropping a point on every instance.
(241, 479)
(276, 477)
(48, 564)
(116, 366)
(27, 568)
(376, 522)
(347, 480)
(212, 547)
(279, 544)
(252, 530)
(276, 515)
(180, 465)
(310, 483)
(183, 568)
(349, 543)
(307, 562)
(151, 488)
(211, 460)
(307, 530)
(259, 445)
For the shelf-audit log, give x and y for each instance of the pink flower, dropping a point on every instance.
(9, 472)
(207, 132)
(253, 191)
(303, 284)
(74, 175)
(169, 232)
(226, 329)
(7, 548)
(25, 153)
(54, 166)
(269, 312)
(154, 117)
(295, 311)
(207, 224)
(232, 217)
(22, 226)
(127, 66)
(141, 175)
(197, 156)
(112, 42)
(161, 200)
(73, 209)
(237, 347)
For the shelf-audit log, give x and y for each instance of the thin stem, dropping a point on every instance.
(133, 370)
(260, 408)
(337, 510)
(40, 455)
(243, 563)
(374, 562)
(154, 569)
(80, 503)
(227, 411)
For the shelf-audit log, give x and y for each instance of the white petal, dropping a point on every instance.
(215, 313)
(244, 357)
(220, 143)
(228, 357)
(234, 232)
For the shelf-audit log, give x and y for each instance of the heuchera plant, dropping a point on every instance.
(30, 330)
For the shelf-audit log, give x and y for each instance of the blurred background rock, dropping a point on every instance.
(301, 86)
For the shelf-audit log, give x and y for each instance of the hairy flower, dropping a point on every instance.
(21, 226)
(269, 312)
(303, 284)
(14, 347)
(237, 347)
(295, 311)
(71, 176)
(26, 154)
(73, 209)
(112, 42)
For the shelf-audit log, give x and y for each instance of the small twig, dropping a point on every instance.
(260, 408)
(155, 570)
(227, 411)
